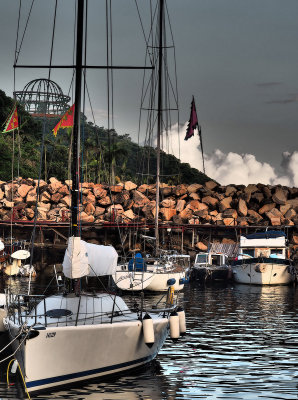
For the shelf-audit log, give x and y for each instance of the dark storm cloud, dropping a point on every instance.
(268, 84)
(290, 99)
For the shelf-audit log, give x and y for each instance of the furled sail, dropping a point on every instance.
(87, 259)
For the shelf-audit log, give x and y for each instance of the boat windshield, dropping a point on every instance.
(202, 258)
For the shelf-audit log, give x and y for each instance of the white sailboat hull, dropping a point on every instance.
(151, 281)
(61, 355)
(132, 281)
(76, 338)
(263, 274)
(160, 281)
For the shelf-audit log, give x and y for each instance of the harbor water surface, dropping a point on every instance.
(241, 343)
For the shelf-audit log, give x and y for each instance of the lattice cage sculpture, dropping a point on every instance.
(43, 97)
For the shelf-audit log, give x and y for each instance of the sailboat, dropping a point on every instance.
(166, 268)
(75, 335)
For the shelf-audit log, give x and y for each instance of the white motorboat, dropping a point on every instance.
(153, 274)
(263, 260)
(210, 266)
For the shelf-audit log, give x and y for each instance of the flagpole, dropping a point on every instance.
(201, 142)
(19, 152)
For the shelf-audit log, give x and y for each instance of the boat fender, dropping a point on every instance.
(182, 320)
(14, 367)
(182, 281)
(174, 326)
(170, 295)
(148, 330)
(3, 315)
(171, 281)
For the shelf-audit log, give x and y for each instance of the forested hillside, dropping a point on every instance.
(106, 156)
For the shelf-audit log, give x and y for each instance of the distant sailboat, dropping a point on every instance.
(164, 269)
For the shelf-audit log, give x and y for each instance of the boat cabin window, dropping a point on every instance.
(202, 258)
(276, 253)
(249, 252)
(215, 259)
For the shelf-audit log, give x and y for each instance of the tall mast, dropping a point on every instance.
(76, 124)
(159, 116)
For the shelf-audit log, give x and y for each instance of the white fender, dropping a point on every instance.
(3, 314)
(148, 330)
(182, 321)
(174, 326)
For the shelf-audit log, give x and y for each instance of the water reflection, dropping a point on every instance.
(241, 343)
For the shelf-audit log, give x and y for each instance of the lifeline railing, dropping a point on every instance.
(21, 308)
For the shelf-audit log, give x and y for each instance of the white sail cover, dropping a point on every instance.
(87, 259)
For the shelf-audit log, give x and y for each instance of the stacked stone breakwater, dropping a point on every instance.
(125, 203)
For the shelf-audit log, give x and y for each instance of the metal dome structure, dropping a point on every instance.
(43, 97)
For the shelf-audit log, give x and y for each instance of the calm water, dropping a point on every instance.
(242, 343)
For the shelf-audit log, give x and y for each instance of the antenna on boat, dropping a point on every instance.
(159, 116)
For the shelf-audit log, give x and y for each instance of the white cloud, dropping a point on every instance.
(233, 168)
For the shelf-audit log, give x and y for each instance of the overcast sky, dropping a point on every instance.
(238, 58)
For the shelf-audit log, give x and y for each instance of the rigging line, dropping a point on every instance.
(111, 63)
(16, 47)
(42, 150)
(142, 27)
(104, 165)
(19, 50)
(108, 87)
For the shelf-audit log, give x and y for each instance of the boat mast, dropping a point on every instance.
(76, 124)
(159, 117)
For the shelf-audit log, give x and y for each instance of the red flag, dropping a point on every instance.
(12, 122)
(193, 121)
(66, 121)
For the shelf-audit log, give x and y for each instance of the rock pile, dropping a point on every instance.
(126, 202)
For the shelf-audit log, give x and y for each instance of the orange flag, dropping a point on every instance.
(12, 122)
(66, 121)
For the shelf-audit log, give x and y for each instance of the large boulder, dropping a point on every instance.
(211, 185)
(104, 201)
(180, 205)
(99, 191)
(225, 203)
(54, 185)
(23, 190)
(193, 188)
(128, 185)
(253, 217)
(168, 203)
(210, 201)
(116, 188)
(89, 209)
(167, 213)
(181, 190)
(31, 197)
(186, 214)
(280, 196)
(140, 199)
(266, 208)
(242, 208)
(230, 191)
(201, 246)
(195, 205)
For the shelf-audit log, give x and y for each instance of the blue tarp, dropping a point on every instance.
(137, 263)
(265, 235)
